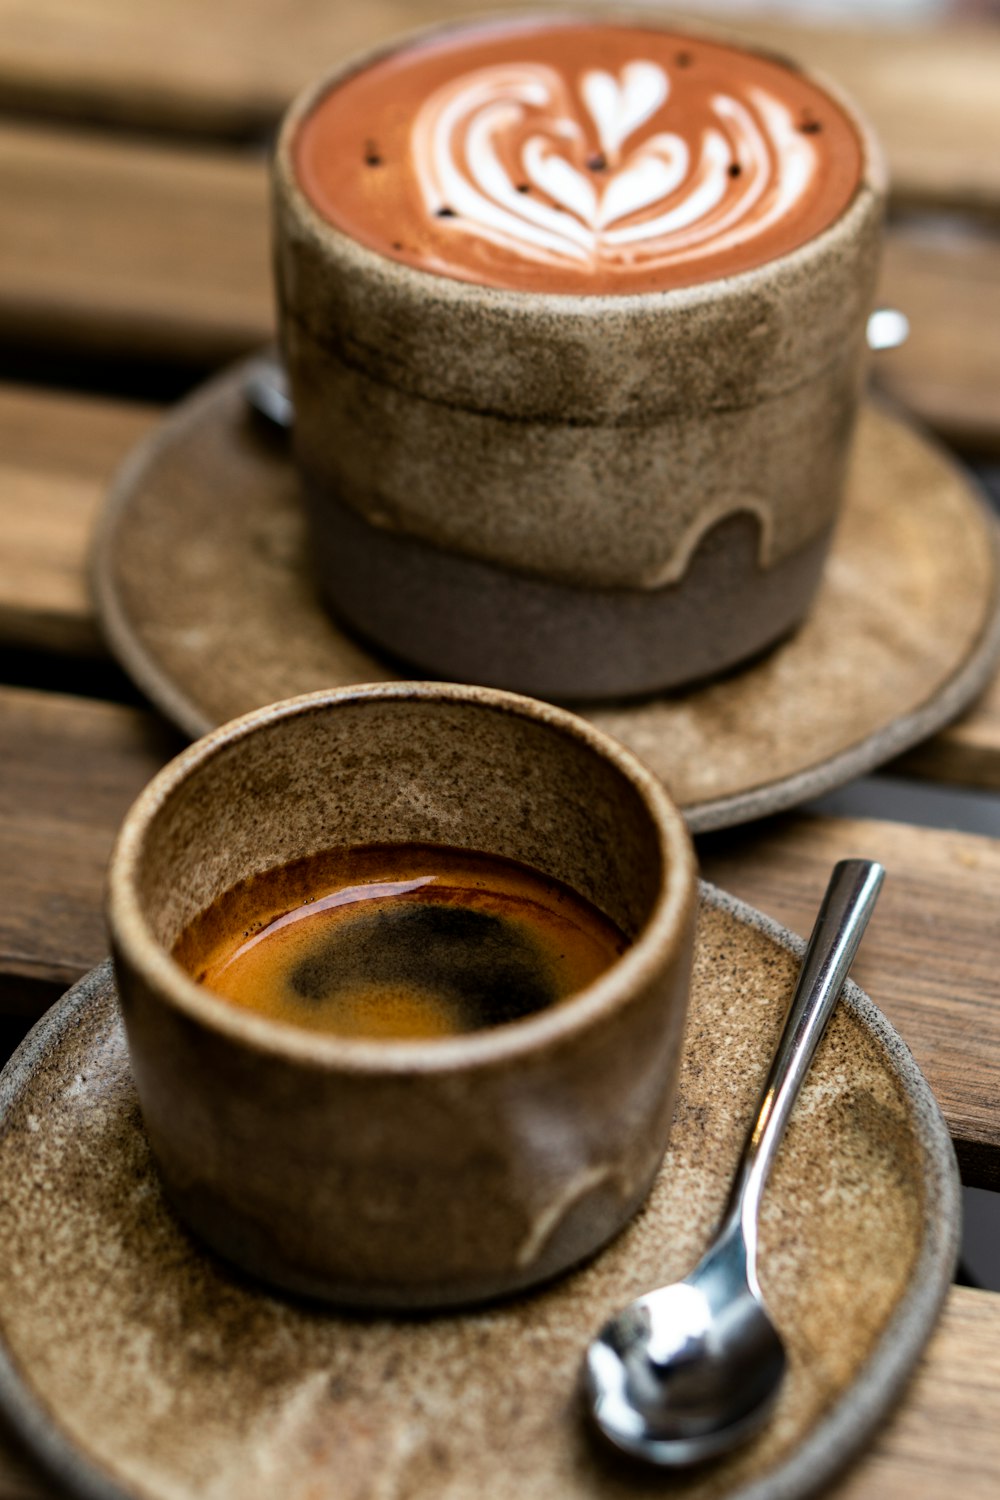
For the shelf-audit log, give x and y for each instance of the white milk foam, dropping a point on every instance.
(666, 200)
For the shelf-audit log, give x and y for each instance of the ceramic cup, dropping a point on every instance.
(406, 1173)
(579, 496)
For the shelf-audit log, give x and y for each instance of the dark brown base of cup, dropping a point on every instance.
(471, 621)
(581, 1234)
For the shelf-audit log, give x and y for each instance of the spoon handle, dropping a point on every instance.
(840, 924)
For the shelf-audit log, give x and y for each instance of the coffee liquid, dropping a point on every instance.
(399, 941)
(578, 157)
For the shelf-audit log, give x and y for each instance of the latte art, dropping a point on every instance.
(508, 154)
(578, 157)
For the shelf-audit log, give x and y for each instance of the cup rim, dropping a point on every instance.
(656, 943)
(362, 259)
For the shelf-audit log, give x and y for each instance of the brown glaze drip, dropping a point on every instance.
(575, 157)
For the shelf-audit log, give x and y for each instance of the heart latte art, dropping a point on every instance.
(575, 157)
(664, 200)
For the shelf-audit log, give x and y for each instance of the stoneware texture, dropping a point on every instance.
(406, 1173)
(584, 441)
(135, 1363)
(205, 589)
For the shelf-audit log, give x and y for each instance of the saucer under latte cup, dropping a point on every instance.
(573, 310)
(406, 1173)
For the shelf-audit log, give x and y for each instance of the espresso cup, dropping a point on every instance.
(406, 1173)
(573, 310)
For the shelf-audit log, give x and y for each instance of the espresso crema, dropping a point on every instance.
(578, 157)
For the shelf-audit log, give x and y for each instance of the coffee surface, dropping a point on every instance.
(576, 157)
(399, 941)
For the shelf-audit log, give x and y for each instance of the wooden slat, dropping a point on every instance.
(72, 767)
(168, 258)
(232, 67)
(946, 278)
(944, 1439)
(113, 246)
(57, 454)
(229, 67)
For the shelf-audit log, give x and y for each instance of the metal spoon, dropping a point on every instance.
(693, 1369)
(266, 387)
(888, 328)
(266, 392)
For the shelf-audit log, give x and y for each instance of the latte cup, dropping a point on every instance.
(406, 1173)
(573, 311)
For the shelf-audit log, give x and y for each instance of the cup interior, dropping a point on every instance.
(487, 774)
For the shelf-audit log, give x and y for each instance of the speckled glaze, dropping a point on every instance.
(406, 1173)
(137, 1364)
(206, 591)
(592, 442)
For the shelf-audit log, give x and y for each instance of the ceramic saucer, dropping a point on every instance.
(203, 587)
(135, 1364)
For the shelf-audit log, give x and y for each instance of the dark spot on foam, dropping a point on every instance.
(524, 187)
(373, 157)
(598, 162)
(810, 127)
(735, 169)
(397, 244)
(484, 966)
(446, 213)
(683, 59)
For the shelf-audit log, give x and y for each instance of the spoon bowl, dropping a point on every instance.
(688, 1371)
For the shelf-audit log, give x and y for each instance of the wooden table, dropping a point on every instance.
(133, 258)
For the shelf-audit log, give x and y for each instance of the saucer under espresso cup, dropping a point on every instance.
(574, 312)
(388, 1172)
